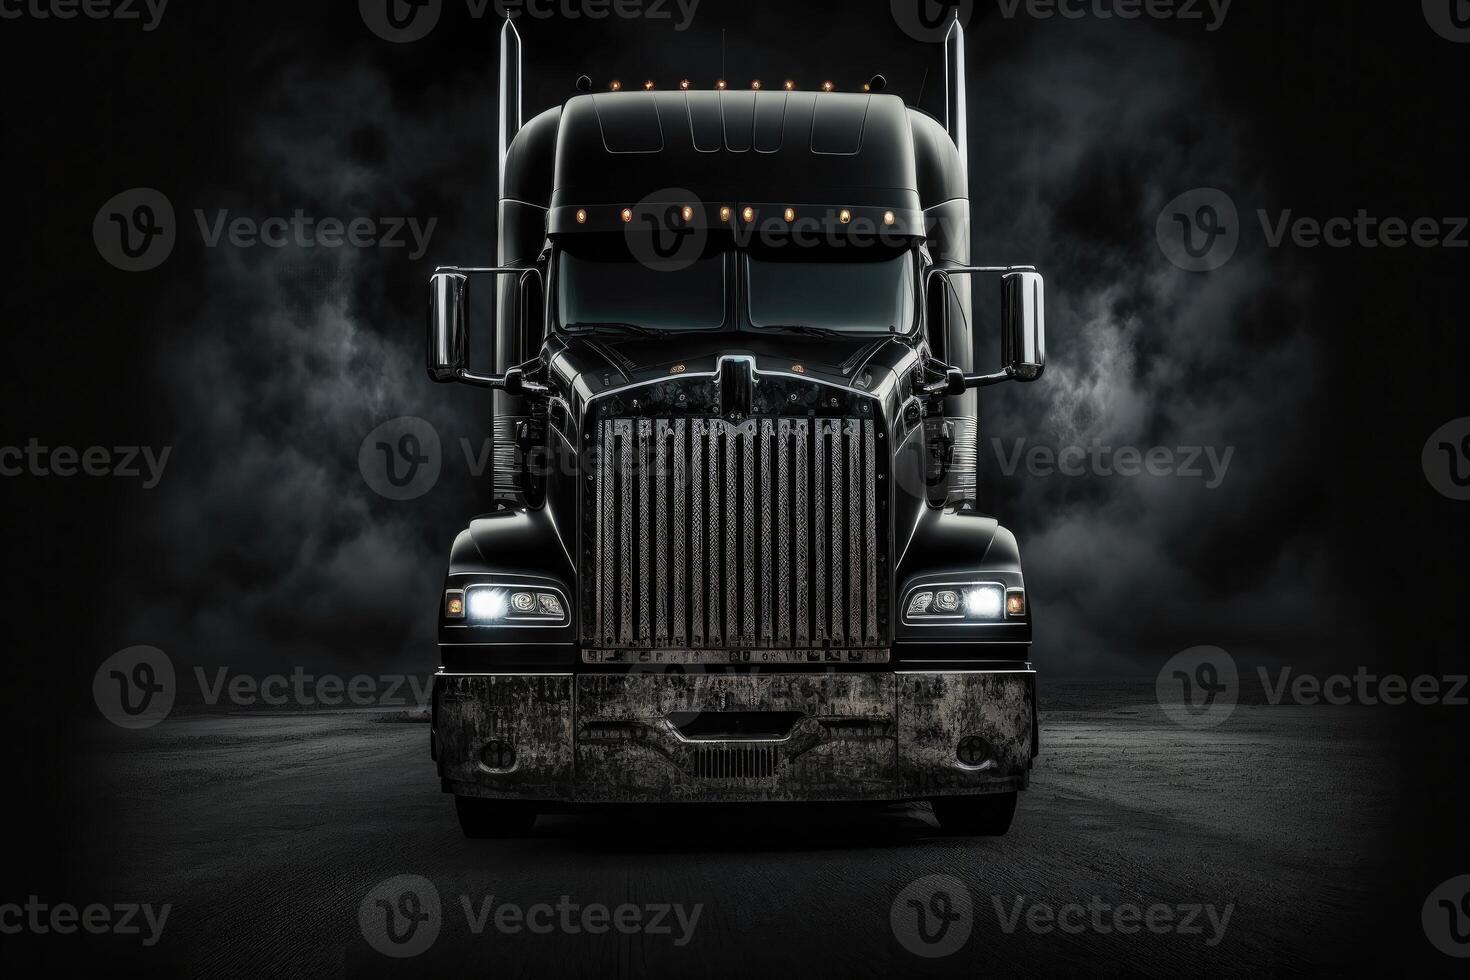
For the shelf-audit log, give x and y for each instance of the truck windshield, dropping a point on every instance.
(616, 292)
(875, 295)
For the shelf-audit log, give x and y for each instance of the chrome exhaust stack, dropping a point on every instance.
(956, 113)
(510, 93)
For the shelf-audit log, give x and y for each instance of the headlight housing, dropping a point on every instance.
(963, 604)
(506, 605)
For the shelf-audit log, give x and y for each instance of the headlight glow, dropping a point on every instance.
(486, 605)
(963, 604)
(507, 605)
(984, 602)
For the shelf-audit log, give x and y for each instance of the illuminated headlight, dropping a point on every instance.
(485, 605)
(497, 605)
(963, 603)
(984, 602)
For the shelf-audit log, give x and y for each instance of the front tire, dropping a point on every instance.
(480, 819)
(989, 815)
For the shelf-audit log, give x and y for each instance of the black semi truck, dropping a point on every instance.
(734, 552)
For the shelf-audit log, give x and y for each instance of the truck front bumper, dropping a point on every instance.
(618, 737)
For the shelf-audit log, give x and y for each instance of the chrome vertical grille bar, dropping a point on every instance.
(712, 456)
(870, 530)
(606, 549)
(856, 557)
(681, 490)
(783, 531)
(697, 563)
(624, 431)
(661, 533)
(767, 518)
(839, 569)
(732, 580)
(803, 464)
(644, 584)
(747, 532)
(819, 531)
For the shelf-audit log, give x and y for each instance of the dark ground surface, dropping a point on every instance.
(266, 831)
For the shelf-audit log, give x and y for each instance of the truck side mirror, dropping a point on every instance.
(448, 340)
(1022, 325)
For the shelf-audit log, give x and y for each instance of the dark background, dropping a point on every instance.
(264, 369)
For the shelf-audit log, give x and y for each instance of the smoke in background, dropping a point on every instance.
(268, 547)
(1083, 147)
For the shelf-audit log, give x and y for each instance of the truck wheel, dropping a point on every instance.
(481, 818)
(976, 816)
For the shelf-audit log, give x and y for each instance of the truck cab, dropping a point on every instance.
(734, 553)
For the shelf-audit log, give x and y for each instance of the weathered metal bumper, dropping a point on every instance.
(611, 738)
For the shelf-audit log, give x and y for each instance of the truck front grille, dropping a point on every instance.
(733, 762)
(764, 534)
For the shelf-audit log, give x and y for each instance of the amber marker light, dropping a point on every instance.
(755, 85)
(888, 218)
(687, 213)
(789, 214)
(844, 216)
(648, 86)
(826, 86)
(720, 85)
(581, 216)
(684, 85)
(454, 605)
(627, 214)
(748, 214)
(724, 214)
(1015, 603)
(615, 85)
(790, 85)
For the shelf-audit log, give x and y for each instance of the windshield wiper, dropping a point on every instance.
(807, 331)
(617, 327)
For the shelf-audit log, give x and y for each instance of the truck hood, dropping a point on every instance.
(610, 361)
